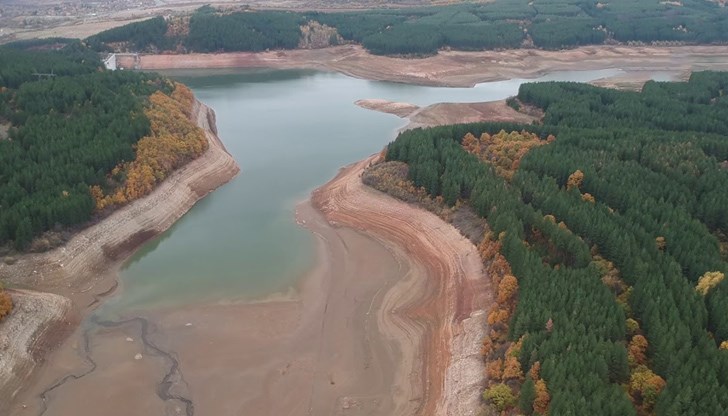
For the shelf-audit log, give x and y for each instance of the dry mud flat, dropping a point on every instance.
(458, 69)
(84, 269)
(316, 352)
(389, 322)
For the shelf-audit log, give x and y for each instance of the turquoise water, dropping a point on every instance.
(290, 131)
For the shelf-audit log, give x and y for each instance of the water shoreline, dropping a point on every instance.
(86, 268)
(446, 346)
(455, 68)
(449, 308)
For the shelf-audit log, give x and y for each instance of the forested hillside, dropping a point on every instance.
(606, 244)
(547, 24)
(67, 126)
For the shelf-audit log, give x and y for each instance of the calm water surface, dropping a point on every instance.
(290, 131)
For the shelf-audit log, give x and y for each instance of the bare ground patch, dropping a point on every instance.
(460, 69)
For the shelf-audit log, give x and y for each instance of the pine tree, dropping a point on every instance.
(527, 396)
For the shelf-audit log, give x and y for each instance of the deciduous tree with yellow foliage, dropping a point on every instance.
(174, 140)
(644, 387)
(6, 303)
(500, 396)
(503, 150)
(708, 281)
(543, 398)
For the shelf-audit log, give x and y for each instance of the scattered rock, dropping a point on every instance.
(129, 339)
(138, 357)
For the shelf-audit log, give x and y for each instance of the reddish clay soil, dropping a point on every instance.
(448, 307)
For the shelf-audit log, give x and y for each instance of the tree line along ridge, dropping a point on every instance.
(77, 141)
(606, 243)
(547, 24)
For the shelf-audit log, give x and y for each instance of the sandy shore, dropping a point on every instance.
(449, 309)
(84, 269)
(408, 345)
(399, 335)
(458, 69)
(448, 113)
(395, 336)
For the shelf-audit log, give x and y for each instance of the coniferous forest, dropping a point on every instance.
(606, 244)
(65, 126)
(547, 24)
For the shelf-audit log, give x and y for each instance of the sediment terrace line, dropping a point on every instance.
(450, 309)
(457, 68)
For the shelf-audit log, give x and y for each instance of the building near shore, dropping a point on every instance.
(110, 62)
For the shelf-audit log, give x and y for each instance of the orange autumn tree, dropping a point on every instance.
(497, 267)
(501, 359)
(507, 290)
(644, 385)
(575, 180)
(535, 371)
(587, 197)
(494, 370)
(512, 366)
(644, 388)
(503, 150)
(6, 303)
(637, 350)
(503, 367)
(543, 398)
(173, 141)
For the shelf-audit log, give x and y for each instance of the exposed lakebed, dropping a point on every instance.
(180, 336)
(289, 131)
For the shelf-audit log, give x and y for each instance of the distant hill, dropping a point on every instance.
(547, 24)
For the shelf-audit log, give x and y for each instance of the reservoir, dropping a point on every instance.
(238, 309)
(290, 131)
